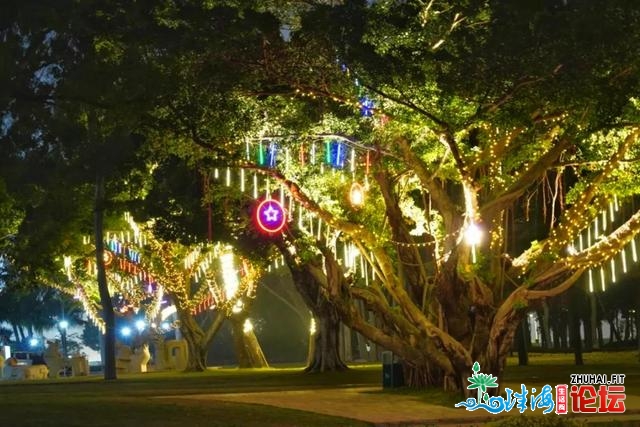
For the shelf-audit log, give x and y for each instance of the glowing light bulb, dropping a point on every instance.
(356, 195)
(473, 234)
(247, 326)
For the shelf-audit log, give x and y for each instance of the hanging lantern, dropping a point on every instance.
(107, 256)
(356, 195)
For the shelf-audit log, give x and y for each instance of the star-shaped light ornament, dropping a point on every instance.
(270, 216)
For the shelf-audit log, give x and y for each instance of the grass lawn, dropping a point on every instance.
(555, 368)
(129, 401)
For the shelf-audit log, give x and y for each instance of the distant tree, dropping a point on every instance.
(91, 336)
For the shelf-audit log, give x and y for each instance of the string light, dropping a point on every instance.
(255, 185)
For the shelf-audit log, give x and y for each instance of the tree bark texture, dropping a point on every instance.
(109, 362)
(197, 346)
(325, 355)
(248, 350)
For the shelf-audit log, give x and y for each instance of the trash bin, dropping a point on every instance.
(392, 372)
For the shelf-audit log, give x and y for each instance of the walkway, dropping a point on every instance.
(367, 404)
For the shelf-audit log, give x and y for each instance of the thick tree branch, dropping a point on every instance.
(577, 217)
(531, 295)
(213, 328)
(524, 181)
(444, 126)
(440, 199)
(608, 247)
(382, 309)
(409, 256)
(521, 84)
(458, 354)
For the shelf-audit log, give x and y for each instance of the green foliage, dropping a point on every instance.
(155, 95)
(10, 215)
(91, 336)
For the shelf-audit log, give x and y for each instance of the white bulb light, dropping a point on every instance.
(473, 234)
(247, 327)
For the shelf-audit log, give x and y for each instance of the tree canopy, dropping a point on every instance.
(488, 138)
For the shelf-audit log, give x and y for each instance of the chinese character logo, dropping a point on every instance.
(495, 404)
(584, 396)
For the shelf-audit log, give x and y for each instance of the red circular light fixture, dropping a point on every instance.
(107, 256)
(270, 216)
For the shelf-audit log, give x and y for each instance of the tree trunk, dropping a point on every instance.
(600, 336)
(594, 320)
(427, 375)
(248, 350)
(546, 333)
(638, 328)
(324, 348)
(589, 329)
(638, 320)
(109, 336)
(325, 341)
(563, 326)
(575, 337)
(615, 334)
(195, 338)
(522, 342)
(627, 327)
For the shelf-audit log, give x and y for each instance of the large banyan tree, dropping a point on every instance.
(496, 136)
